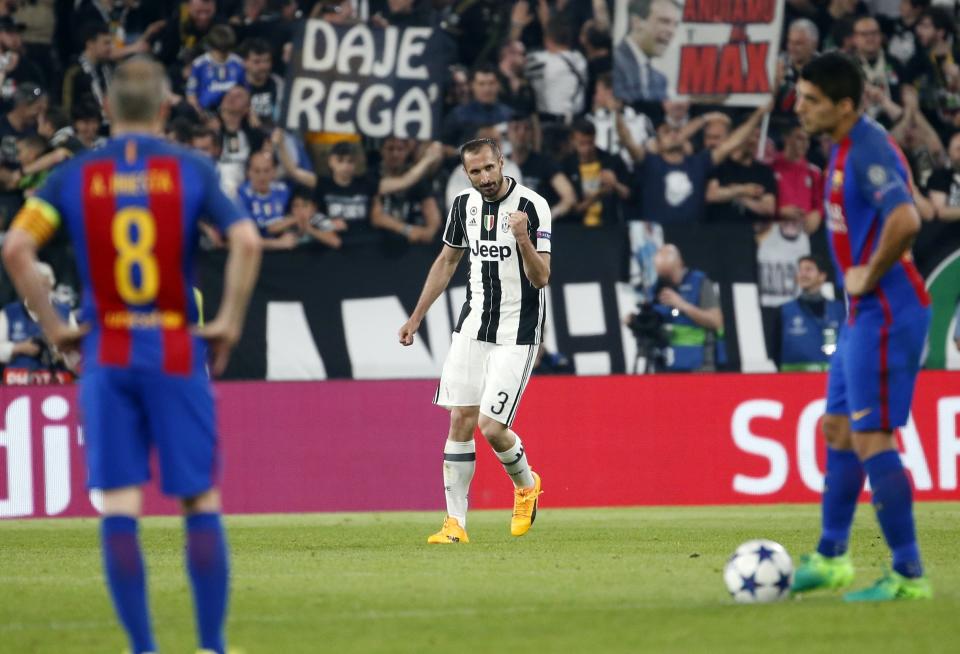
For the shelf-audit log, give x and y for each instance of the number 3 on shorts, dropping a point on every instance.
(503, 397)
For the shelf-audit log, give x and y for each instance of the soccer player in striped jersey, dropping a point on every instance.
(507, 229)
(872, 221)
(131, 209)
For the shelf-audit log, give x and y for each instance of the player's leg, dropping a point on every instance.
(508, 371)
(183, 423)
(885, 405)
(459, 390)
(208, 564)
(830, 566)
(117, 448)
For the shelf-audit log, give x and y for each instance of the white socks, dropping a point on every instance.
(459, 462)
(515, 463)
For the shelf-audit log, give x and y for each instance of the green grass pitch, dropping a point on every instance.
(586, 580)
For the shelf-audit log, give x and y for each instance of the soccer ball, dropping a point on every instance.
(759, 571)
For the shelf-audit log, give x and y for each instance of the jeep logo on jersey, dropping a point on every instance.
(490, 252)
(489, 220)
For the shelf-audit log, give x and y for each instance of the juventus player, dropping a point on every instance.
(506, 227)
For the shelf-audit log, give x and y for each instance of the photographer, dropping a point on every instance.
(27, 357)
(808, 326)
(689, 322)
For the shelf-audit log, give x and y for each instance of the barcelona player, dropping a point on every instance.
(131, 210)
(871, 222)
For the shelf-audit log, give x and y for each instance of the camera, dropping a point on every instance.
(650, 330)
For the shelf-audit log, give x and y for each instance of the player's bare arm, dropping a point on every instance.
(437, 280)
(243, 265)
(898, 232)
(20, 260)
(535, 264)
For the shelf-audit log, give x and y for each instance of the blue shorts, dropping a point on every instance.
(874, 370)
(127, 412)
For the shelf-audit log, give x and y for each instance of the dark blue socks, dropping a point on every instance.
(126, 578)
(893, 502)
(209, 576)
(842, 485)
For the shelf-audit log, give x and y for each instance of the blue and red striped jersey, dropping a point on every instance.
(131, 209)
(867, 178)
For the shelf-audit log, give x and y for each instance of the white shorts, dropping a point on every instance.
(491, 376)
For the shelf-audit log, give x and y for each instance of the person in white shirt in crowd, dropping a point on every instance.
(607, 113)
(558, 74)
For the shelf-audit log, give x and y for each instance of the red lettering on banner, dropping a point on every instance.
(721, 70)
(729, 11)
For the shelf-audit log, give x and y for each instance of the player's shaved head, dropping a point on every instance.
(137, 91)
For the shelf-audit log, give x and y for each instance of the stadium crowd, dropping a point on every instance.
(538, 76)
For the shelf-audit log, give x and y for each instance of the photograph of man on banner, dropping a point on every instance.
(652, 24)
(709, 53)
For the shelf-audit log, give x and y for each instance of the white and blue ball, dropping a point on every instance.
(759, 571)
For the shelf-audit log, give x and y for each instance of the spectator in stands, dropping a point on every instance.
(28, 102)
(687, 301)
(408, 206)
(136, 25)
(239, 139)
(205, 140)
(599, 179)
(901, 34)
(944, 185)
(294, 162)
(833, 20)
(610, 116)
(458, 180)
(185, 32)
(87, 121)
(558, 74)
(742, 189)
(313, 225)
(808, 327)
(782, 242)
(404, 13)
(481, 111)
(54, 125)
(23, 347)
(515, 89)
(672, 184)
(933, 74)
(343, 195)
(30, 151)
(652, 26)
(919, 142)
(16, 66)
(802, 39)
(88, 78)
(596, 44)
(267, 201)
(266, 88)
(882, 75)
(338, 12)
(539, 172)
(216, 72)
(716, 130)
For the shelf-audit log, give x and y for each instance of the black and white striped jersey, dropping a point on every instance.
(502, 305)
